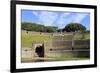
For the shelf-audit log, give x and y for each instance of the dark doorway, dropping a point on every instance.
(40, 50)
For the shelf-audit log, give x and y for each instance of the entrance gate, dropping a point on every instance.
(38, 50)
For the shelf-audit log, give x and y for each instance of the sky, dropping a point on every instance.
(55, 18)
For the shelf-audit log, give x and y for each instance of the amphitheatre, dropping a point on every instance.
(57, 46)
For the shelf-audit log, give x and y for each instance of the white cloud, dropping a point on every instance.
(48, 18)
(63, 19)
(60, 19)
(79, 17)
(64, 15)
(36, 13)
(67, 18)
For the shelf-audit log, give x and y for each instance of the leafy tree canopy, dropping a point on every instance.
(37, 27)
(73, 27)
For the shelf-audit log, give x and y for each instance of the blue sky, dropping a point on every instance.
(53, 18)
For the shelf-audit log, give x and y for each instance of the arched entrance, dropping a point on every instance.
(39, 50)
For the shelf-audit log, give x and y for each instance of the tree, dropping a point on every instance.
(73, 27)
(37, 27)
(51, 29)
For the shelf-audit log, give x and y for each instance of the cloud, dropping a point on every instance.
(36, 13)
(79, 17)
(64, 17)
(67, 18)
(59, 19)
(48, 18)
(63, 20)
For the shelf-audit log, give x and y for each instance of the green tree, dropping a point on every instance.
(37, 27)
(73, 27)
(51, 29)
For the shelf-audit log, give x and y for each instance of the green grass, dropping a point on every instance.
(27, 40)
(78, 36)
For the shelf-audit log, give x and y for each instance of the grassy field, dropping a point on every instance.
(78, 36)
(28, 39)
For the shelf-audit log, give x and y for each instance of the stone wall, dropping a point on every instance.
(68, 53)
(69, 48)
(27, 54)
(60, 48)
